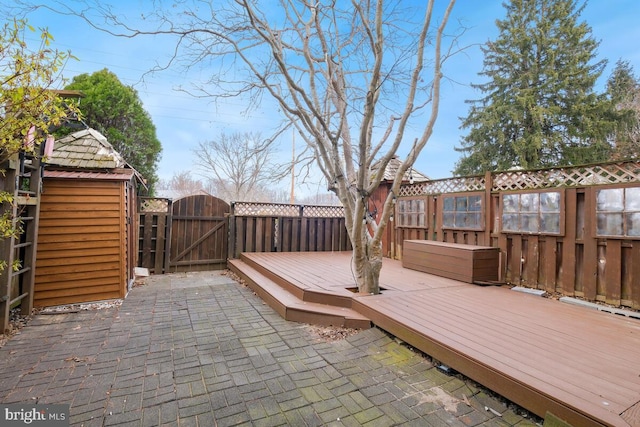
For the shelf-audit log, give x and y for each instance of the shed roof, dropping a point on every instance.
(86, 149)
(392, 168)
(116, 175)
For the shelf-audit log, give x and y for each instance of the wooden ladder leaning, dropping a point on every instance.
(22, 179)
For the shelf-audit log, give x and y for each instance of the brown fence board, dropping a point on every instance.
(287, 237)
(260, 239)
(516, 259)
(250, 233)
(530, 267)
(589, 249)
(567, 277)
(613, 277)
(548, 264)
(160, 246)
(635, 274)
(313, 235)
(328, 241)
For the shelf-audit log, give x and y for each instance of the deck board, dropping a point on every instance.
(579, 363)
(521, 356)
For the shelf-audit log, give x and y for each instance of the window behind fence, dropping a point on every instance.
(618, 212)
(411, 213)
(463, 212)
(535, 212)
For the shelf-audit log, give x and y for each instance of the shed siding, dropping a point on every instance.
(80, 241)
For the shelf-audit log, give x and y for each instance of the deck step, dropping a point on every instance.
(338, 297)
(290, 307)
(260, 268)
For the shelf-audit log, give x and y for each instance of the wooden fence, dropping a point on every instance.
(155, 234)
(574, 231)
(272, 227)
(253, 227)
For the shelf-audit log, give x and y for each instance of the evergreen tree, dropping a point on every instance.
(539, 107)
(115, 110)
(623, 88)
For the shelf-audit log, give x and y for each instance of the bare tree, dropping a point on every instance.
(239, 164)
(180, 185)
(350, 76)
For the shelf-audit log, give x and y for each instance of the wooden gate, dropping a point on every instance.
(199, 234)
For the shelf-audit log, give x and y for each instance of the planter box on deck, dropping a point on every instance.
(467, 263)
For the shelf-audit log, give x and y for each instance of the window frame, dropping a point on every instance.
(560, 212)
(482, 223)
(624, 212)
(398, 215)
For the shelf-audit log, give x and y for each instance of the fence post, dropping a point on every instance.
(168, 237)
(488, 216)
(232, 232)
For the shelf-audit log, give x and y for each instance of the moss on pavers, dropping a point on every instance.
(484, 400)
(399, 413)
(232, 360)
(475, 418)
(235, 412)
(368, 415)
(436, 376)
(295, 403)
(454, 385)
(231, 420)
(255, 410)
(276, 420)
(303, 417)
(337, 414)
(311, 395)
(511, 418)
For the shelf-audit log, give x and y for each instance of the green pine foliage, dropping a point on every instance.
(115, 110)
(539, 108)
(623, 88)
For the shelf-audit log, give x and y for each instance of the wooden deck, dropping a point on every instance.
(582, 365)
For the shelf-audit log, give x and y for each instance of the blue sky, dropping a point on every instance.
(183, 121)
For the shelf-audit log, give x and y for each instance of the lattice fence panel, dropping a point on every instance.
(279, 209)
(265, 209)
(444, 186)
(610, 173)
(159, 205)
(323, 211)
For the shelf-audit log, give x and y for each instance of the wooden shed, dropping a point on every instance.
(87, 234)
(380, 195)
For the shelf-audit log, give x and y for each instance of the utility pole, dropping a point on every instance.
(293, 163)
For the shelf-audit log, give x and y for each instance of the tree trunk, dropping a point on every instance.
(367, 263)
